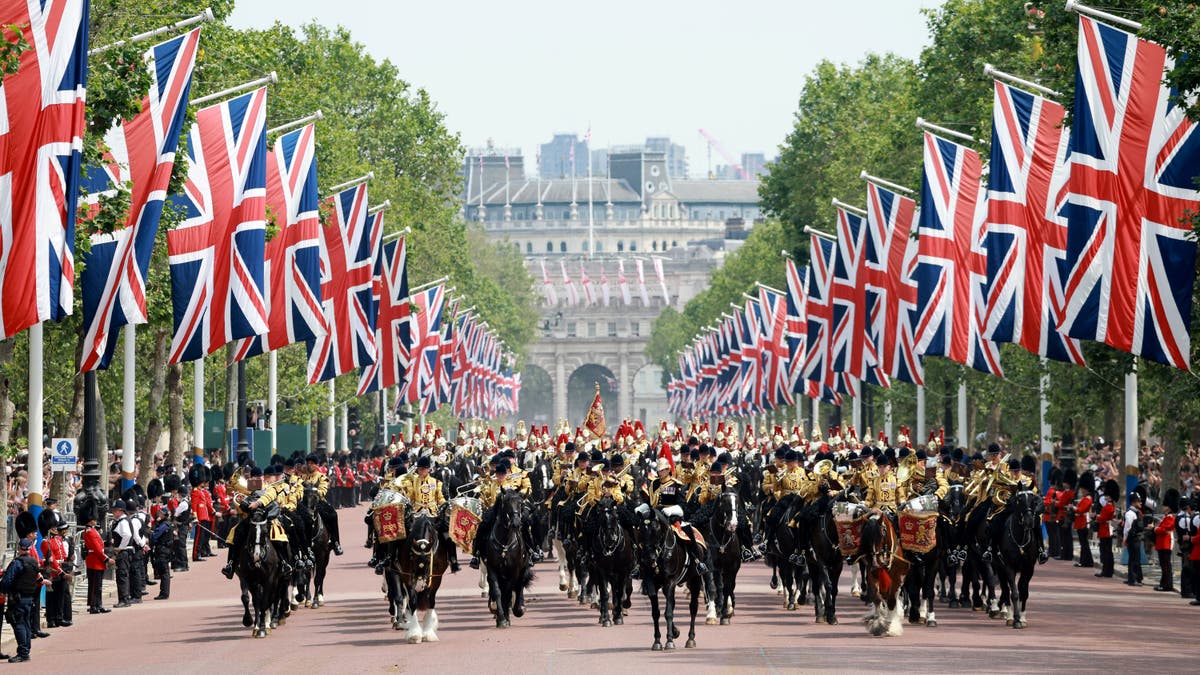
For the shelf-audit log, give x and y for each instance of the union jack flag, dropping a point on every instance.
(1026, 234)
(853, 350)
(141, 154)
(1133, 159)
(891, 290)
(776, 386)
(41, 143)
(818, 361)
(217, 253)
(951, 263)
(293, 265)
(349, 249)
(427, 339)
(750, 353)
(797, 339)
(393, 329)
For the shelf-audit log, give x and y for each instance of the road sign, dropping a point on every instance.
(64, 454)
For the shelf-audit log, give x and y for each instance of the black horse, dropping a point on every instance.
(611, 560)
(1018, 555)
(312, 587)
(785, 556)
(419, 562)
(665, 564)
(725, 551)
(508, 569)
(824, 562)
(260, 574)
(954, 550)
(920, 584)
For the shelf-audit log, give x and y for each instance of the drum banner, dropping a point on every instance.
(463, 525)
(389, 523)
(918, 531)
(849, 534)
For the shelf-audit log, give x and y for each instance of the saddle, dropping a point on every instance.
(683, 535)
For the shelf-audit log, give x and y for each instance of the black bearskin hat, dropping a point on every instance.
(1171, 499)
(1028, 464)
(1112, 490)
(1069, 478)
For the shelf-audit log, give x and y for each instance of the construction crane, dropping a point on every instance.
(714, 143)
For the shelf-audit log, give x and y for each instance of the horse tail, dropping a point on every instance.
(527, 577)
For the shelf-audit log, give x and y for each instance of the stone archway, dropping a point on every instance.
(537, 396)
(581, 389)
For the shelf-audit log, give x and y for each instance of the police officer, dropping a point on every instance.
(122, 539)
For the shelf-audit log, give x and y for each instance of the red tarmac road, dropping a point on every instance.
(1077, 622)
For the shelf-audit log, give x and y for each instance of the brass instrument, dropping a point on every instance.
(906, 469)
(823, 467)
(467, 488)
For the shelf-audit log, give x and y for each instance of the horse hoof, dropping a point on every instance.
(791, 606)
(832, 621)
(414, 640)
(607, 623)
(914, 620)
(820, 619)
(993, 614)
(953, 604)
(856, 594)
(260, 633)
(396, 625)
(572, 594)
(932, 623)
(519, 611)
(492, 606)
(247, 621)
(690, 644)
(563, 587)
(670, 646)
(430, 637)
(656, 647)
(724, 621)
(619, 621)
(710, 622)
(1008, 622)
(1020, 624)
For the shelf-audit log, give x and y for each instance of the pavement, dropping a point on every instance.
(1077, 622)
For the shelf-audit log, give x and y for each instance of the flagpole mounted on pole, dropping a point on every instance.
(921, 435)
(198, 407)
(243, 444)
(203, 17)
(1130, 451)
(91, 501)
(128, 454)
(36, 402)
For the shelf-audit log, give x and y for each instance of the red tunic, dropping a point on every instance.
(94, 545)
(222, 499)
(1060, 504)
(1081, 511)
(1107, 513)
(1164, 533)
(54, 552)
(201, 504)
(1048, 502)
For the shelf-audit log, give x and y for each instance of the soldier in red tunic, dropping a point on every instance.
(54, 555)
(1104, 526)
(1083, 507)
(1164, 540)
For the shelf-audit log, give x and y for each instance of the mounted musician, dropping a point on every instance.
(248, 501)
(424, 493)
(312, 474)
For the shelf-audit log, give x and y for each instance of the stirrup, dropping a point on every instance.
(987, 555)
(227, 570)
(474, 563)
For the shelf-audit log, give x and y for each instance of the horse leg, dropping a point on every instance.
(693, 606)
(260, 612)
(247, 620)
(657, 646)
(605, 615)
(930, 593)
(319, 579)
(718, 598)
(1022, 595)
(415, 634)
(912, 587)
(789, 588)
(855, 581)
(562, 564)
(431, 624)
(820, 590)
(832, 577)
(672, 632)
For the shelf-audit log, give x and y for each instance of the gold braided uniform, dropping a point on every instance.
(793, 481)
(518, 480)
(885, 493)
(489, 489)
(319, 481)
(710, 490)
(425, 494)
(608, 486)
(669, 485)
(771, 476)
(270, 494)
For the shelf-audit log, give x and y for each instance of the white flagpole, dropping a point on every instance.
(202, 17)
(961, 421)
(344, 432)
(591, 217)
(273, 397)
(37, 392)
(887, 419)
(1130, 452)
(921, 435)
(330, 422)
(198, 406)
(129, 456)
(1044, 430)
(856, 411)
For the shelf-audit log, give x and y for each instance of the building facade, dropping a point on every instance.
(572, 228)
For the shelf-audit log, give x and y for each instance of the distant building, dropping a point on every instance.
(754, 164)
(676, 156)
(563, 157)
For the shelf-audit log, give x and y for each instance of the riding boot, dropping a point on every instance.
(235, 549)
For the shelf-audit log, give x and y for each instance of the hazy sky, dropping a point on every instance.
(521, 70)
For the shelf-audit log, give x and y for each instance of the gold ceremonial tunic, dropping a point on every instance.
(425, 494)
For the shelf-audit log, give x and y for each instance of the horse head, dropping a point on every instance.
(955, 502)
(727, 512)
(1025, 505)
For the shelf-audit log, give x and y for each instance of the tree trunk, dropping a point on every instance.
(158, 384)
(1114, 418)
(993, 423)
(74, 425)
(178, 441)
(1172, 449)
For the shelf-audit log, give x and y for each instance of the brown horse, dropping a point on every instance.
(885, 569)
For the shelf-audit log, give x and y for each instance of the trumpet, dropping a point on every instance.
(472, 486)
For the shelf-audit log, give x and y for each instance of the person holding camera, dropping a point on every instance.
(60, 567)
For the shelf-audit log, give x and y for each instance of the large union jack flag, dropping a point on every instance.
(1026, 233)
(41, 142)
(427, 341)
(293, 264)
(141, 153)
(853, 351)
(1133, 161)
(217, 253)
(951, 263)
(349, 248)
(891, 289)
(393, 333)
(818, 361)
(776, 387)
